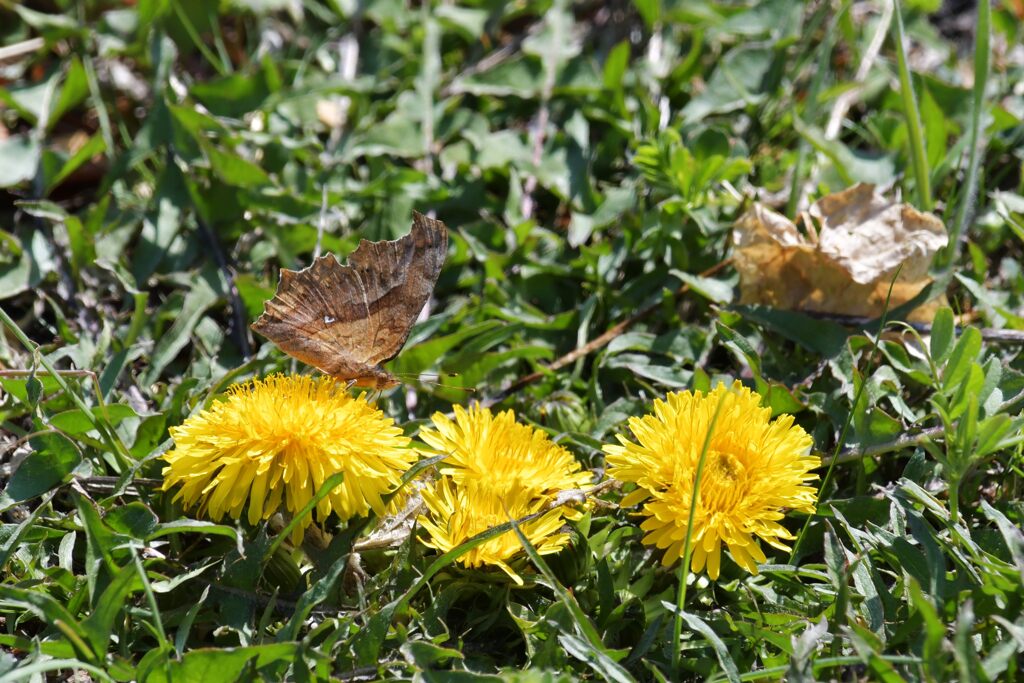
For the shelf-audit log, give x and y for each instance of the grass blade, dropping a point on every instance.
(913, 116)
(982, 66)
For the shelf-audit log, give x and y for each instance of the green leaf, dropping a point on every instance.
(234, 95)
(943, 328)
(53, 26)
(715, 291)
(871, 654)
(554, 43)
(738, 80)
(53, 459)
(418, 358)
(963, 645)
(668, 375)
(934, 629)
(77, 421)
(224, 665)
(820, 336)
(193, 526)
(991, 431)
(49, 611)
(853, 166)
(1011, 534)
(521, 77)
(162, 223)
(469, 20)
(775, 18)
(200, 298)
(616, 65)
(99, 625)
(96, 145)
(717, 644)
(73, 91)
(233, 169)
(962, 358)
(995, 302)
(134, 519)
(739, 345)
(28, 100)
(21, 157)
(912, 117)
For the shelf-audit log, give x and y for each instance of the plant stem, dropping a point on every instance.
(684, 566)
(954, 499)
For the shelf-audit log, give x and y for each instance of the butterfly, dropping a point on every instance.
(349, 320)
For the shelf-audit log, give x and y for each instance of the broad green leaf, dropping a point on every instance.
(77, 422)
(738, 80)
(224, 665)
(521, 77)
(21, 157)
(233, 169)
(775, 18)
(821, 336)
(52, 460)
(134, 519)
(233, 95)
(54, 26)
(716, 291)
(469, 20)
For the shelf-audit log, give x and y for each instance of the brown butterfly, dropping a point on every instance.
(349, 320)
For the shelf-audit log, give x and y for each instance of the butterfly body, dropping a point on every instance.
(349, 320)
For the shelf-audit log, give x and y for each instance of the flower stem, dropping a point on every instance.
(684, 566)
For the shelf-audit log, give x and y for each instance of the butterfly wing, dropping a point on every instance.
(398, 277)
(347, 320)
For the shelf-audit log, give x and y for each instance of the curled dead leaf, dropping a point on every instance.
(855, 242)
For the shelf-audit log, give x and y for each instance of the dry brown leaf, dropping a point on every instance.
(855, 242)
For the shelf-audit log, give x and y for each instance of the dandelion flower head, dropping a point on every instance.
(496, 468)
(271, 445)
(755, 467)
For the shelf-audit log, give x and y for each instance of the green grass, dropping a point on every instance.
(161, 160)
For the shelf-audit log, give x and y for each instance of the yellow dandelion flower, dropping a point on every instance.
(496, 464)
(457, 512)
(497, 449)
(754, 468)
(276, 441)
